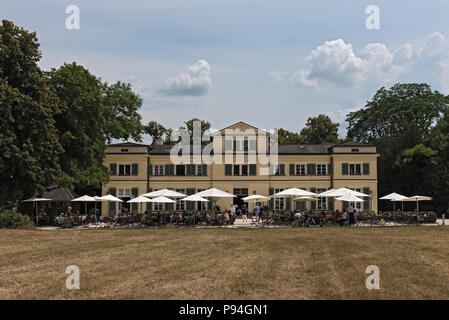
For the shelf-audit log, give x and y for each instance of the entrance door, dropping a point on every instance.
(240, 193)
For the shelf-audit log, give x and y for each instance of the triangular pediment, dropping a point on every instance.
(240, 127)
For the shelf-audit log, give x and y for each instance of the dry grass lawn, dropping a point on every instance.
(269, 263)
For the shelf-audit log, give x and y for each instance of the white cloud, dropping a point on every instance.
(277, 76)
(403, 54)
(195, 81)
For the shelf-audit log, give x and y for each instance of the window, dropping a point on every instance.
(355, 169)
(321, 202)
(199, 170)
(124, 169)
(180, 170)
(321, 169)
(277, 169)
(159, 170)
(279, 203)
(240, 145)
(124, 193)
(236, 170)
(244, 170)
(300, 169)
(201, 206)
(179, 203)
(354, 150)
(356, 205)
(124, 150)
(157, 206)
(245, 145)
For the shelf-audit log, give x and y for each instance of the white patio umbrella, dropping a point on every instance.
(85, 199)
(195, 197)
(256, 198)
(294, 192)
(109, 198)
(164, 193)
(304, 198)
(340, 192)
(349, 198)
(35, 200)
(417, 199)
(395, 197)
(140, 199)
(214, 193)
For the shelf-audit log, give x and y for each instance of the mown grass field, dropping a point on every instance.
(269, 263)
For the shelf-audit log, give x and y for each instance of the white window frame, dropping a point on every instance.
(301, 168)
(321, 169)
(356, 205)
(124, 165)
(279, 203)
(355, 166)
(158, 170)
(180, 205)
(201, 206)
(321, 203)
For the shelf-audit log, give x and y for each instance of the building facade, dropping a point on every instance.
(137, 168)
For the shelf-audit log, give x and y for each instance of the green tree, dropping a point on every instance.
(155, 130)
(29, 146)
(398, 120)
(81, 126)
(121, 106)
(288, 137)
(319, 130)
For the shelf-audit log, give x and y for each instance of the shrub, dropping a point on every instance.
(431, 217)
(14, 220)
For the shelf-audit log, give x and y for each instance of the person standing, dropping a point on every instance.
(257, 211)
(243, 213)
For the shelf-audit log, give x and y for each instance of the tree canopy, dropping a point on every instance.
(29, 142)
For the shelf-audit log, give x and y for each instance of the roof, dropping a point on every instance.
(304, 148)
(240, 123)
(128, 144)
(353, 144)
(60, 194)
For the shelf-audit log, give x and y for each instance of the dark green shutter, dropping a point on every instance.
(113, 169)
(300, 205)
(169, 169)
(282, 169)
(134, 207)
(112, 205)
(344, 168)
(366, 203)
(311, 169)
(288, 201)
(149, 204)
(292, 169)
(134, 169)
(271, 202)
(330, 202)
(228, 169)
(313, 202)
(252, 169)
(204, 169)
(190, 169)
(150, 169)
(329, 169)
(366, 168)
(190, 205)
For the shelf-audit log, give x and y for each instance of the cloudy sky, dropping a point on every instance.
(269, 63)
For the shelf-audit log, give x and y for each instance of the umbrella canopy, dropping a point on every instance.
(341, 192)
(418, 198)
(214, 193)
(85, 198)
(293, 192)
(109, 197)
(256, 198)
(394, 197)
(164, 193)
(36, 199)
(140, 199)
(195, 197)
(304, 198)
(349, 198)
(162, 199)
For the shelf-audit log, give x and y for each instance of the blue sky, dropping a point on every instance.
(268, 63)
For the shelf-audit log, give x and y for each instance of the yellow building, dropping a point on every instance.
(238, 169)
